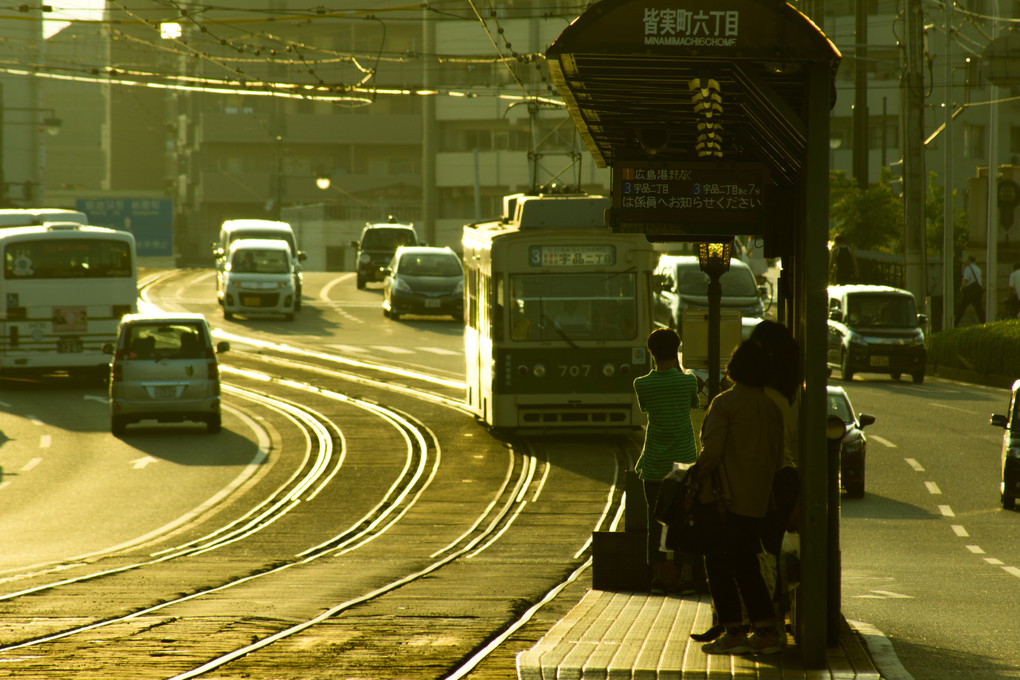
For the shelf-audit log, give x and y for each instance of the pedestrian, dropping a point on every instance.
(1013, 296)
(972, 291)
(667, 394)
(842, 261)
(742, 448)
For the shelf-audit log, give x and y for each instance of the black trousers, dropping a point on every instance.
(972, 295)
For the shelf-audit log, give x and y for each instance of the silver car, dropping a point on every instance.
(164, 368)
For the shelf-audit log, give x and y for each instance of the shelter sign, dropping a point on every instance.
(696, 198)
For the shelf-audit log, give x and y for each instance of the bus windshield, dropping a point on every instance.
(67, 259)
(573, 306)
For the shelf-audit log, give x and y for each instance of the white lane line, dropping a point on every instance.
(34, 420)
(882, 440)
(946, 511)
(960, 531)
(440, 350)
(881, 651)
(30, 464)
(976, 549)
(912, 462)
(952, 408)
(45, 441)
(933, 488)
(993, 561)
(3, 485)
(1013, 570)
(351, 348)
(394, 350)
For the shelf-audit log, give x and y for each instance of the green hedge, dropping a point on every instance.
(989, 348)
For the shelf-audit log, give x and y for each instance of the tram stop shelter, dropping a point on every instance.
(714, 118)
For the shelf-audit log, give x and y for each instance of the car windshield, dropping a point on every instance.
(429, 264)
(840, 406)
(875, 309)
(165, 341)
(573, 306)
(260, 262)
(388, 239)
(737, 282)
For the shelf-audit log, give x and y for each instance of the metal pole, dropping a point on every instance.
(714, 298)
(948, 280)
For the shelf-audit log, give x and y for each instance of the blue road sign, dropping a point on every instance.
(151, 220)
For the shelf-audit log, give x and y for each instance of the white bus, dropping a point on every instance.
(23, 217)
(64, 289)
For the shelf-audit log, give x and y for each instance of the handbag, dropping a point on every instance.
(674, 506)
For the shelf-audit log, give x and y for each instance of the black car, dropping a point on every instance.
(424, 280)
(854, 445)
(376, 247)
(1009, 487)
(875, 329)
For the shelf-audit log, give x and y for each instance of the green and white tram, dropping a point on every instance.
(557, 311)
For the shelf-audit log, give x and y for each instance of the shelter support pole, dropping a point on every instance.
(813, 602)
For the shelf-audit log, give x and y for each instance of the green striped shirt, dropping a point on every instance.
(667, 397)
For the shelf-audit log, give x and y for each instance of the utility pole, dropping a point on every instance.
(860, 117)
(948, 279)
(914, 183)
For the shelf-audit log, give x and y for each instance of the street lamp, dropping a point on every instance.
(714, 259)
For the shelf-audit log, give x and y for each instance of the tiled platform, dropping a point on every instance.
(637, 636)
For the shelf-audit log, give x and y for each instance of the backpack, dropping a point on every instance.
(844, 264)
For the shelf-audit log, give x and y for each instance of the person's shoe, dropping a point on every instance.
(710, 634)
(730, 643)
(659, 588)
(765, 641)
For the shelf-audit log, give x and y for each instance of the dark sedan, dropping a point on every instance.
(424, 280)
(854, 445)
(1009, 487)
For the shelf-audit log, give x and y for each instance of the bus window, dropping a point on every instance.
(70, 259)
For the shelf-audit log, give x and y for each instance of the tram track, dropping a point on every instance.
(471, 546)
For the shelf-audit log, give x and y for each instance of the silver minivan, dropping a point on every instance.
(164, 368)
(257, 279)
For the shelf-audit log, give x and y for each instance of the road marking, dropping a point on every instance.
(1013, 570)
(95, 397)
(976, 549)
(954, 408)
(960, 531)
(440, 350)
(4, 484)
(394, 350)
(139, 463)
(5, 404)
(993, 561)
(933, 488)
(45, 441)
(881, 651)
(34, 419)
(31, 464)
(884, 595)
(912, 462)
(351, 348)
(946, 511)
(882, 440)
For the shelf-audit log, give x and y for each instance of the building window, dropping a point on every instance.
(974, 144)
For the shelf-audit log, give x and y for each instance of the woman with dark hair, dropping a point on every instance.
(742, 448)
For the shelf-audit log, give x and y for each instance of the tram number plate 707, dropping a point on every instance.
(574, 370)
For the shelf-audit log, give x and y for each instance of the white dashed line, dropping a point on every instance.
(933, 488)
(976, 549)
(946, 511)
(1013, 570)
(31, 464)
(881, 440)
(914, 464)
(960, 531)
(993, 561)
(45, 441)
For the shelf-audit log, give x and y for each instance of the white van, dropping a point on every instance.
(257, 278)
(233, 230)
(164, 368)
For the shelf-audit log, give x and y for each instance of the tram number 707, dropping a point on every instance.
(574, 370)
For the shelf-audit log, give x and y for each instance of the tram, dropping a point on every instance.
(556, 315)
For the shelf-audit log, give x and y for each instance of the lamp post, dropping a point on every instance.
(714, 259)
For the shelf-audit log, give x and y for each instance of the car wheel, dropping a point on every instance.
(395, 315)
(918, 378)
(361, 282)
(227, 315)
(118, 426)
(213, 424)
(846, 371)
(894, 376)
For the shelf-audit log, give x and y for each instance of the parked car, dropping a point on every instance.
(424, 280)
(1009, 487)
(164, 368)
(679, 284)
(875, 329)
(376, 247)
(257, 279)
(853, 448)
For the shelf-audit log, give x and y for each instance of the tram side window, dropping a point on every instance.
(471, 301)
(497, 308)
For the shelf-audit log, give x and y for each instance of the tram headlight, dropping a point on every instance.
(539, 370)
(609, 370)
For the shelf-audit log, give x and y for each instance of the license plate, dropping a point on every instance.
(432, 303)
(251, 301)
(69, 345)
(163, 392)
(879, 361)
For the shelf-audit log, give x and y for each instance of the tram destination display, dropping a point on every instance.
(571, 255)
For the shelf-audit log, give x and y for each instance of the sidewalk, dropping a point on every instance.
(640, 636)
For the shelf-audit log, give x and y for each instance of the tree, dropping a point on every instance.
(869, 219)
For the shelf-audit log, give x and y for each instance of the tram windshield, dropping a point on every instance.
(573, 306)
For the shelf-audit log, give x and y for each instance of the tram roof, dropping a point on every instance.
(628, 71)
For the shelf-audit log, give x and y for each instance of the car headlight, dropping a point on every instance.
(365, 258)
(459, 288)
(400, 285)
